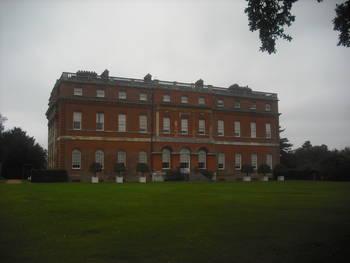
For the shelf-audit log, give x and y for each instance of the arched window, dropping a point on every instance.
(76, 159)
(121, 157)
(166, 159)
(202, 159)
(142, 157)
(185, 158)
(99, 157)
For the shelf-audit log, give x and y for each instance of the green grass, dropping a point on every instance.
(175, 222)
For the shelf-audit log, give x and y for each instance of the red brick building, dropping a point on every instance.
(165, 124)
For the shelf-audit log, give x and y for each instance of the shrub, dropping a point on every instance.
(247, 169)
(119, 168)
(142, 168)
(174, 175)
(264, 169)
(95, 168)
(49, 176)
(207, 173)
(279, 170)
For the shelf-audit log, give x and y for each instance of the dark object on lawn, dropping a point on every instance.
(49, 176)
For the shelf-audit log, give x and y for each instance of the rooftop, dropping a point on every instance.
(147, 81)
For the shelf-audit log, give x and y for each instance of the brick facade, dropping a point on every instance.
(64, 138)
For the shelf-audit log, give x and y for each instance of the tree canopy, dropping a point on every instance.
(270, 17)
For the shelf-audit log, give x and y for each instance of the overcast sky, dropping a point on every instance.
(176, 40)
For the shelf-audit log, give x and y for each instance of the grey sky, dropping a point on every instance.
(175, 40)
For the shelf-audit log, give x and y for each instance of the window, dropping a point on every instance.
(267, 107)
(100, 93)
(166, 125)
(184, 126)
(100, 119)
(122, 95)
(166, 159)
(143, 97)
(99, 157)
(268, 130)
(269, 160)
(220, 103)
(166, 98)
(76, 159)
(121, 123)
(201, 127)
(76, 120)
(254, 161)
(78, 92)
(121, 157)
(201, 101)
(221, 161)
(185, 157)
(253, 106)
(184, 99)
(238, 161)
(237, 129)
(202, 159)
(237, 105)
(221, 128)
(143, 123)
(253, 129)
(142, 157)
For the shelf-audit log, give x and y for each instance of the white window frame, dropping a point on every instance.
(76, 159)
(121, 122)
(143, 124)
(78, 91)
(100, 158)
(254, 160)
(201, 127)
(253, 106)
(184, 99)
(269, 161)
(121, 157)
(220, 103)
(201, 100)
(100, 119)
(253, 129)
(221, 161)
(202, 159)
(268, 130)
(77, 116)
(100, 93)
(221, 128)
(166, 159)
(267, 107)
(143, 97)
(237, 105)
(184, 126)
(166, 125)
(238, 161)
(185, 158)
(122, 95)
(237, 129)
(166, 98)
(143, 157)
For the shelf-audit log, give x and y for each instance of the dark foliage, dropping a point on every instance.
(279, 170)
(270, 17)
(207, 173)
(247, 169)
(174, 175)
(142, 168)
(264, 169)
(49, 176)
(119, 168)
(286, 154)
(95, 168)
(19, 153)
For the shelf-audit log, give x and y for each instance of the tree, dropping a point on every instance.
(264, 169)
(119, 168)
(270, 17)
(19, 152)
(247, 169)
(2, 120)
(95, 168)
(286, 155)
(142, 168)
(279, 170)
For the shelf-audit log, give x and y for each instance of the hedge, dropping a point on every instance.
(49, 176)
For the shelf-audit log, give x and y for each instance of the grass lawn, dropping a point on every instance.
(175, 222)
